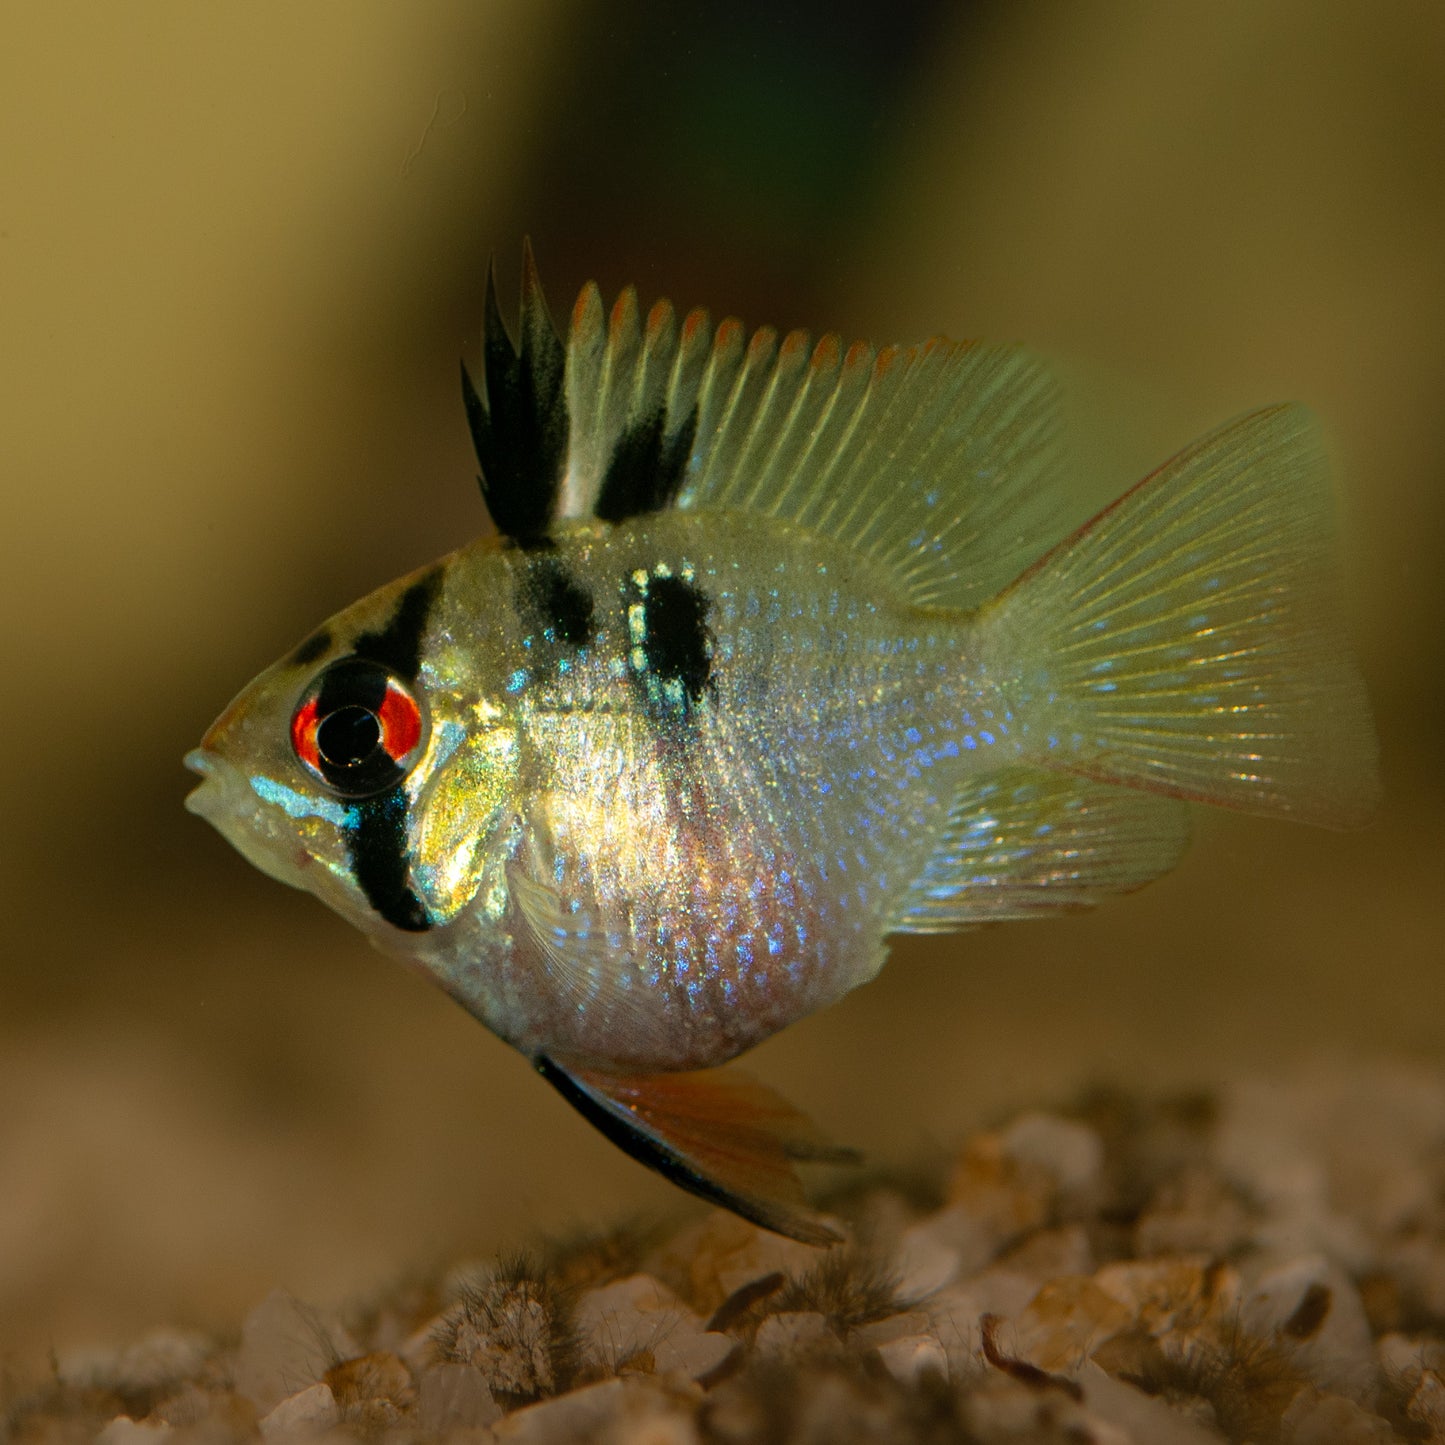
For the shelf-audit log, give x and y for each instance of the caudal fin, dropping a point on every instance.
(1189, 639)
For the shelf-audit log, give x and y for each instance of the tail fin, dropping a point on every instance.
(1189, 640)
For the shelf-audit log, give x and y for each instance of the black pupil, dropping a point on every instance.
(348, 736)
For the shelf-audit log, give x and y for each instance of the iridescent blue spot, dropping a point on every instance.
(517, 681)
(298, 805)
(987, 737)
(948, 749)
(969, 741)
(912, 734)
(824, 786)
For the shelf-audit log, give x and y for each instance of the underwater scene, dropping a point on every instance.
(902, 679)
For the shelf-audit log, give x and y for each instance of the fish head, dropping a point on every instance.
(364, 767)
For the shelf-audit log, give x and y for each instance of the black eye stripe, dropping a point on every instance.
(398, 644)
(351, 685)
(381, 864)
(376, 841)
(315, 646)
(348, 732)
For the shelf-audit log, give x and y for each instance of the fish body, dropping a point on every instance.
(773, 658)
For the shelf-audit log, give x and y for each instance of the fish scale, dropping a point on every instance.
(782, 650)
(805, 687)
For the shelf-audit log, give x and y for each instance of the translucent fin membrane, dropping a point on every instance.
(1189, 638)
(1023, 843)
(717, 1133)
(933, 460)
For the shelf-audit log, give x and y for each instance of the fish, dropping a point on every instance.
(777, 648)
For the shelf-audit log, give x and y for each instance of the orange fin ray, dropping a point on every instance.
(717, 1133)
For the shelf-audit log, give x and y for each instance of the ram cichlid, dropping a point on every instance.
(775, 653)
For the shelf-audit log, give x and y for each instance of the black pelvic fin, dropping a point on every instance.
(519, 419)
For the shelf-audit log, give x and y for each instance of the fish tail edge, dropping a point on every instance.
(1190, 640)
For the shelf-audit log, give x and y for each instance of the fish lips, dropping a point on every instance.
(224, 799)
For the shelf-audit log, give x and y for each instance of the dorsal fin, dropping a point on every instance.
(932, 460)
(519, 419)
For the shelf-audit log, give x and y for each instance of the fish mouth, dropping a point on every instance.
(202, 800)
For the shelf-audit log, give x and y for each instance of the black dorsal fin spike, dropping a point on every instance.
(499, 352)
(539, 337)
(519, 419)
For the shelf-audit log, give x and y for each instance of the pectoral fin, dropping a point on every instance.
(716, 1133)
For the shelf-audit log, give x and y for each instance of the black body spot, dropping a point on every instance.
(315, 646)
(553, 600)
(672, 647)
(646, 469)
(520, 429)
(376, 841)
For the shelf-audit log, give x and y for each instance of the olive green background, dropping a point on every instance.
(241, 249)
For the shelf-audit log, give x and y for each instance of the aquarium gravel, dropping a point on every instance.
(1264, 1262)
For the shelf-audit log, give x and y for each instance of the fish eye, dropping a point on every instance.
(358, 728)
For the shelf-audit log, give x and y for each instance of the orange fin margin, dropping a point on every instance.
(717, 1133)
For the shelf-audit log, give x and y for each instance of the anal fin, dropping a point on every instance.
(717, 1133)
(1024, 843)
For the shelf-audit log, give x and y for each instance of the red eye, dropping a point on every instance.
(358, 728)
(400, 719)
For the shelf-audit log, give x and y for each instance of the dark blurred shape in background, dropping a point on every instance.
(240, 250)
(735, 149)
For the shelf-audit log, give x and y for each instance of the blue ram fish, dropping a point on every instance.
(770, 657)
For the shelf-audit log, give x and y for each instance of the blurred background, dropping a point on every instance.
(241, 250)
